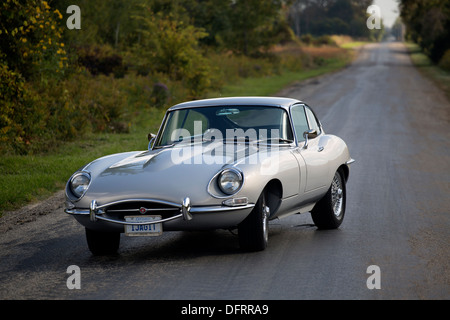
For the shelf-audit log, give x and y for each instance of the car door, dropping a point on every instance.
(311, 155)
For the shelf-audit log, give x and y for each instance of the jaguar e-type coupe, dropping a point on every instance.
(226, 163)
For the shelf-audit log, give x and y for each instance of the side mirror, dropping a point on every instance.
(151, 139)
(310, 134)
(151, 136)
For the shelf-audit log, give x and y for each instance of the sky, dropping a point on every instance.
(389, 11)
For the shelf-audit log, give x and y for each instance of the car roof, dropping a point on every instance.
(237, 101)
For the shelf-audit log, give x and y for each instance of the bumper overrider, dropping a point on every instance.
(174, 216)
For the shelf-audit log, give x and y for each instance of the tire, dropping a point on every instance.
(254, 230)
(102, 243)
(329, 212)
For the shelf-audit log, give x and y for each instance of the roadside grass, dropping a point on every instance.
(270, 85)
(348, 42)
(30, 178)
(354, 44)
(433, 72)
(297, 64)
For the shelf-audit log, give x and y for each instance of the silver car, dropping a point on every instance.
(227, 163)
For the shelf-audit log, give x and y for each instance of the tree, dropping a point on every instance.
(325, 17)
(31, 38)
(254, 25)
(428, 24)
(170, 46)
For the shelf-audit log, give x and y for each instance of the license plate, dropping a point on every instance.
(143, 230)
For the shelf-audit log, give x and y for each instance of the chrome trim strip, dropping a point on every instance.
(77, 212)
(199, 210)
(139, 200)
(139, 223)
(220, 208)
(349, 162)
(147, 210)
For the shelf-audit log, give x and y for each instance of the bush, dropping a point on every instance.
(444, 63)
(31, 39)
(325, 40)
(21, 113)
(170, 47)
(101, 60)
(160, 95)
(307, 39)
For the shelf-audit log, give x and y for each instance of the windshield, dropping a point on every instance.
(235, 123)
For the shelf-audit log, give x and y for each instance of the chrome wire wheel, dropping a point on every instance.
(265, 222)
(337, 195)
(328, 213)
(254, 230)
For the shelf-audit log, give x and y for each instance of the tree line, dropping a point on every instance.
(324, 17)
(428, 24)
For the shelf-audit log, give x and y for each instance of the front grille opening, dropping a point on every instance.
(133, 208)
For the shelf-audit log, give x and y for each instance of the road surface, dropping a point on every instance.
(396, 124)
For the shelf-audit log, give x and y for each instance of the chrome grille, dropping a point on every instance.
(142, 208)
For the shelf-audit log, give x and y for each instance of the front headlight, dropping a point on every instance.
(230, 181)
(79, 183)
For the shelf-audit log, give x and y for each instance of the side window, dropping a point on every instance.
(314, 123)
(300, 121)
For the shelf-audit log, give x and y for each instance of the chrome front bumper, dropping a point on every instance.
(184, 212)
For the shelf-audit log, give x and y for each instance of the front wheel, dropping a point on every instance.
(254, 230)
(102, 243)
(329, 212)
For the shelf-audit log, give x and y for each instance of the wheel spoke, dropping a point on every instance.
(336, 195)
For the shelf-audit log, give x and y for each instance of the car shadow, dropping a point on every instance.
(178, 245)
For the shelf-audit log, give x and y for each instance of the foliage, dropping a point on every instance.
(345, 17)
(428, 24)
(31, 38)
(32, 56)
(17, 108)
(254, 24)
(101, 60)
(445, 61)
(170, 46)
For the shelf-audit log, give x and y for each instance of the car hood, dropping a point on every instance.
(169, 174)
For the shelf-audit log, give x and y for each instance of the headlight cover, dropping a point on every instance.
(79, 183)
(230, 181)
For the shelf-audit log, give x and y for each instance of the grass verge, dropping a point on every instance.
(270, 85)
(436, 74)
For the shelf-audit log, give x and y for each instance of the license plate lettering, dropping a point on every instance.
(143, 229)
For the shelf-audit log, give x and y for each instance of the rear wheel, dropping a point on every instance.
(102, 243)
(329, 211)
(254, 230)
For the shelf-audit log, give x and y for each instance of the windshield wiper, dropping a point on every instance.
(280, 140)
(164, 146)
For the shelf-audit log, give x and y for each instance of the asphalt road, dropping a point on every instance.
(396, 124)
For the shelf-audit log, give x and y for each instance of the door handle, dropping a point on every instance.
(320, 149)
